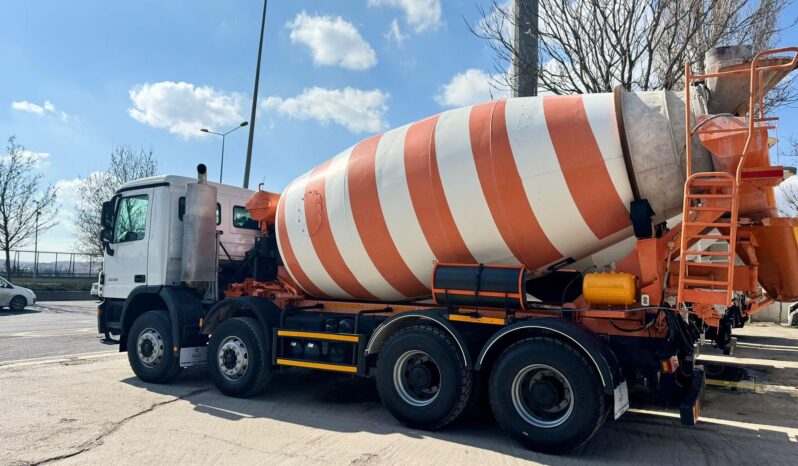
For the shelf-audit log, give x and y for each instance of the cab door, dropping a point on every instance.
(126, 269)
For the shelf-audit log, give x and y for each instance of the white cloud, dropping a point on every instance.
(40, 159)
(184, 108)
(68, 193)
(355, 109)
(332, 41)
(46, 108)
(420, 14)
(395, 33)
(468, 88)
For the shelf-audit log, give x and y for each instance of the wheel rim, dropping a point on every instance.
(542, 395)
(417, 378)
(150, 347)
(17, 304)
(233, 358)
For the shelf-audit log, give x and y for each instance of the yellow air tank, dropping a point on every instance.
(609, 289)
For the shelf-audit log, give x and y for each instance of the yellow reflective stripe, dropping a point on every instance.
(477, 320)
(317, 365)
(317, 336)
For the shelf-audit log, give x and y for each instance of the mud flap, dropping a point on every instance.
(690, 409)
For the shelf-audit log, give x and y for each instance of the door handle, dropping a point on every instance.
(139, 278)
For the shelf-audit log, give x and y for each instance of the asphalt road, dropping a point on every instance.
(88, 408)
(50, 329)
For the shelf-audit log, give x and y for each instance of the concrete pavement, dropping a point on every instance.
(50, 329)
(90, 409)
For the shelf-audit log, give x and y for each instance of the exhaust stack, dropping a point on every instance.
(199, 232)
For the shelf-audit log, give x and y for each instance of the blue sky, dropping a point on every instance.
(82, 76)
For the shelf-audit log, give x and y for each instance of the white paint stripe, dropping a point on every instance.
(600, 110)
(278, 219)
(344, 230)
(296, 225)
(543, 180)
(397, 206)
(464, 192)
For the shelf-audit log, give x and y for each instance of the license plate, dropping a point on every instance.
(621, 398)
(193, 357)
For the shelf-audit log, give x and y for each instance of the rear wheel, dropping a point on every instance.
(149, 348)
(239, 358)
(17, 304)
(546, 394)
(422, 378)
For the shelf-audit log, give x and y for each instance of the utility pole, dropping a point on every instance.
(525, 41)
(254, 99)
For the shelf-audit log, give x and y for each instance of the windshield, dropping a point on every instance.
(5, 283)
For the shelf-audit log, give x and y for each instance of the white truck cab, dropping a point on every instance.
(143, 228)
(145, 245)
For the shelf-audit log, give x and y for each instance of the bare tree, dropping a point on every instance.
(594, 45)
(125, 165)
(22, 194)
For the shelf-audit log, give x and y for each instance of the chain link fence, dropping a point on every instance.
(51, 264)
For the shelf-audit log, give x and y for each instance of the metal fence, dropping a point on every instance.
(25, 263)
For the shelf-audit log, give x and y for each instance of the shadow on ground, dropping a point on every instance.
(343, 404)
(7, 313)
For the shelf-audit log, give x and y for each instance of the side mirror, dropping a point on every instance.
(106, 236)
(107, 218)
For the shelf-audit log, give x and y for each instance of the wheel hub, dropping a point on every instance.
(233, 358)
(417, 378)
(542, 396)
(150, 347)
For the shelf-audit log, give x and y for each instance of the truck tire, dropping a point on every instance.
(547, 395)
(422, 378)
(17, 304)
(239, 357)
(149, 348)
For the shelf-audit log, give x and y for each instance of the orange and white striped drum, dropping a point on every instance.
(529, 181)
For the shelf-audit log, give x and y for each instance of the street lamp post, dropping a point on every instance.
(223, 135)
(36, 245)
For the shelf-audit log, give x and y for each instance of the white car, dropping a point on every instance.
(15, 297)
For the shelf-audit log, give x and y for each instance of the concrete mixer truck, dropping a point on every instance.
(463, 258)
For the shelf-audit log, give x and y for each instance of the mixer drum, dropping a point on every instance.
(530, 181)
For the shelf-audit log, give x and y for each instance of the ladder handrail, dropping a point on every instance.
(756, 75)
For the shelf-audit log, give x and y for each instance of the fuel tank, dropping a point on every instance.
(533, 181)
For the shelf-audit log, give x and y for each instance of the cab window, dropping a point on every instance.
(181, 210)
(241, 219)
(131, 219)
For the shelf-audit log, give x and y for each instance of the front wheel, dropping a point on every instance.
(239, 357)
(422, 377)
(149, 348)
(17, 304)
(545, 394)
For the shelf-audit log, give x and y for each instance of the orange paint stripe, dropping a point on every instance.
(287, 253)
(370, 222)
(322, 238)
(428, 197)
(583, 166)
(503, 188)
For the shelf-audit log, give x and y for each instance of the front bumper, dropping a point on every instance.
(690, 407)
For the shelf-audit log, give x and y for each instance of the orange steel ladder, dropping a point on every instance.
(711, 199)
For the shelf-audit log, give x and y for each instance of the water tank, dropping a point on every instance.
(533, 181)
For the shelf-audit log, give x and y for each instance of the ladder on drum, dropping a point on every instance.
(711, 199)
